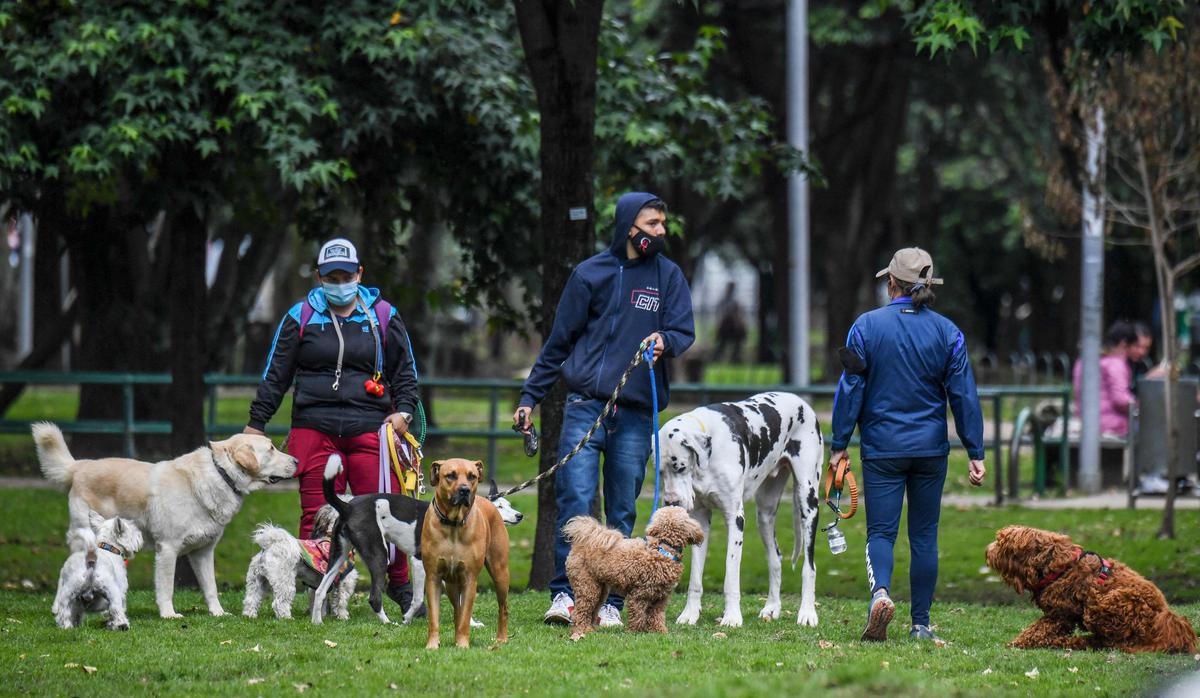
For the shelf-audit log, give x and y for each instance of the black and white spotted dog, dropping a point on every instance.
(722, 455)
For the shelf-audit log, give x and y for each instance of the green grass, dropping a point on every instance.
(975, 612)
(233, 655)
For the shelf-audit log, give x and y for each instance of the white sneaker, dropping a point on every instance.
(560, 610)
(610, 617)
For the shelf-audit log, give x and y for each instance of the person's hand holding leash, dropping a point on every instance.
(835, 457)
(399, 422)
(658, 344)
(977, 472)
(252, 430)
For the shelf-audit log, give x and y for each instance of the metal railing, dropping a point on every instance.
(692, 393)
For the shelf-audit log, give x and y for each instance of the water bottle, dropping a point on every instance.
(837, 541)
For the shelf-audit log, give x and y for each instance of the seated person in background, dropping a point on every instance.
(1115, 379)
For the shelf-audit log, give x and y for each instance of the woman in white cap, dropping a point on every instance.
(903, 363)
(348, 354)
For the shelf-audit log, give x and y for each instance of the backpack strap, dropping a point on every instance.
(306, 313)
(383, 314)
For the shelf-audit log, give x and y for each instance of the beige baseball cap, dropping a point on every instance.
(911, 264)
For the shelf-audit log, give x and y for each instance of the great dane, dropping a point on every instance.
(722, 455)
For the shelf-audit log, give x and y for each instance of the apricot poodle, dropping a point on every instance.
(1077, 588)
(644, 570)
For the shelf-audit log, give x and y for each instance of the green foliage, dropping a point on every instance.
(1100, 29)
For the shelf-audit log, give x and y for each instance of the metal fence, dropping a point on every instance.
(688, 393)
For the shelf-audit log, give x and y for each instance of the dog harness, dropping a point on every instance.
(315, 554)
(224, 475)
(1102, 575)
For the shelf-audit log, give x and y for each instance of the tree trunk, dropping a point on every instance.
(560, 41)
(1167, 284)
(188, 304)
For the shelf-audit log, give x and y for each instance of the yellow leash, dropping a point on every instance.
(410, 475)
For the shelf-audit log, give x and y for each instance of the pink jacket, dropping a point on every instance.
(1115, 394)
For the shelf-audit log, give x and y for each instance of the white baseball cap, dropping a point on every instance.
(337, 254)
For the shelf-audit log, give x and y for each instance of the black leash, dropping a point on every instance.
(637, 359)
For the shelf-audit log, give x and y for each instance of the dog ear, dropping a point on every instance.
(479, 469)
(246, 458)
(95, 521)
(492, 489)
(434, 467)
(119, 527)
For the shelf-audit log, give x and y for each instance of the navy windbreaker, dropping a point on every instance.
(916, 362)
(610, 304)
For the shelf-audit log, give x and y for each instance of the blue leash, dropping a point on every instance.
(649, 358)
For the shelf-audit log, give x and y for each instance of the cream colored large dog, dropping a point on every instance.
(183, 505)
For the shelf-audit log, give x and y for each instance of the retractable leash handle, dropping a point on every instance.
(648, 356)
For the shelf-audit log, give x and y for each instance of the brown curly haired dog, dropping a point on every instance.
(1078, 588)
(645, 570)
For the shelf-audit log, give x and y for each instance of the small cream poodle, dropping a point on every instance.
(645, 570)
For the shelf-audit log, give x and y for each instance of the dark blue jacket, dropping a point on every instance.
(610, 304)
(916, 362)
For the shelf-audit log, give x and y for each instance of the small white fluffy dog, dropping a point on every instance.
(93, 578)
(282, 562)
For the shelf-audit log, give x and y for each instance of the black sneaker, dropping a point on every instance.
(923, 632)
(401, 594)
(880, 614)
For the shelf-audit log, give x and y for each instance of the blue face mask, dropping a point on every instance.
(340, 294)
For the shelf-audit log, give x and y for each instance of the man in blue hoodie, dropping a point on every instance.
(613, 301)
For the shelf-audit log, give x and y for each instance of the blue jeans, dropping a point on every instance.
(624, 438)
(885, 483)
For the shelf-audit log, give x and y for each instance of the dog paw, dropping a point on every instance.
(731, 620)
(807, 617)
(688, 617)
(170, 615)
(118, 626)
(770, 612)
(218, 612)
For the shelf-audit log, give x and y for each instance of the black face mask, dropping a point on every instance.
(648, 245)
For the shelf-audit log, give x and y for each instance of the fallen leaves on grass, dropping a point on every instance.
(300, 687)
(825, 644)
(778, 663)
(226, 642)
(330, 643)
(14, 620)
(939, 643)
(884, 664)
(256, 648)
(71, 665)
(719, 635)
(89, 669)
(1032, 673)
(393, 686)
(958, 610)
(986, 671)
(253, 682)
(1073, 669)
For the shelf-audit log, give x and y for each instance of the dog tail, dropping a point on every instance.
(333, 468)
(1174, 633)
(590, 533)
(266, 535)
(58, 465)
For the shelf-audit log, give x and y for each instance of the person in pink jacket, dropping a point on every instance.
(1116, 377)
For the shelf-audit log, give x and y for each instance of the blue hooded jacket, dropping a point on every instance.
(915, 362)
(610, 304)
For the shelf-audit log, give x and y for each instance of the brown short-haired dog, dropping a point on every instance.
(645, 570)
(1078, 588)
(462, 534)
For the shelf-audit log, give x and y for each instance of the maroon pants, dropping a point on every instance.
(360, 466)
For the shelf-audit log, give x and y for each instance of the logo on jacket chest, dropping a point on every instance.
(645, 299)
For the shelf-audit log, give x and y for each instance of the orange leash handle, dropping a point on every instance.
(837, 477)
